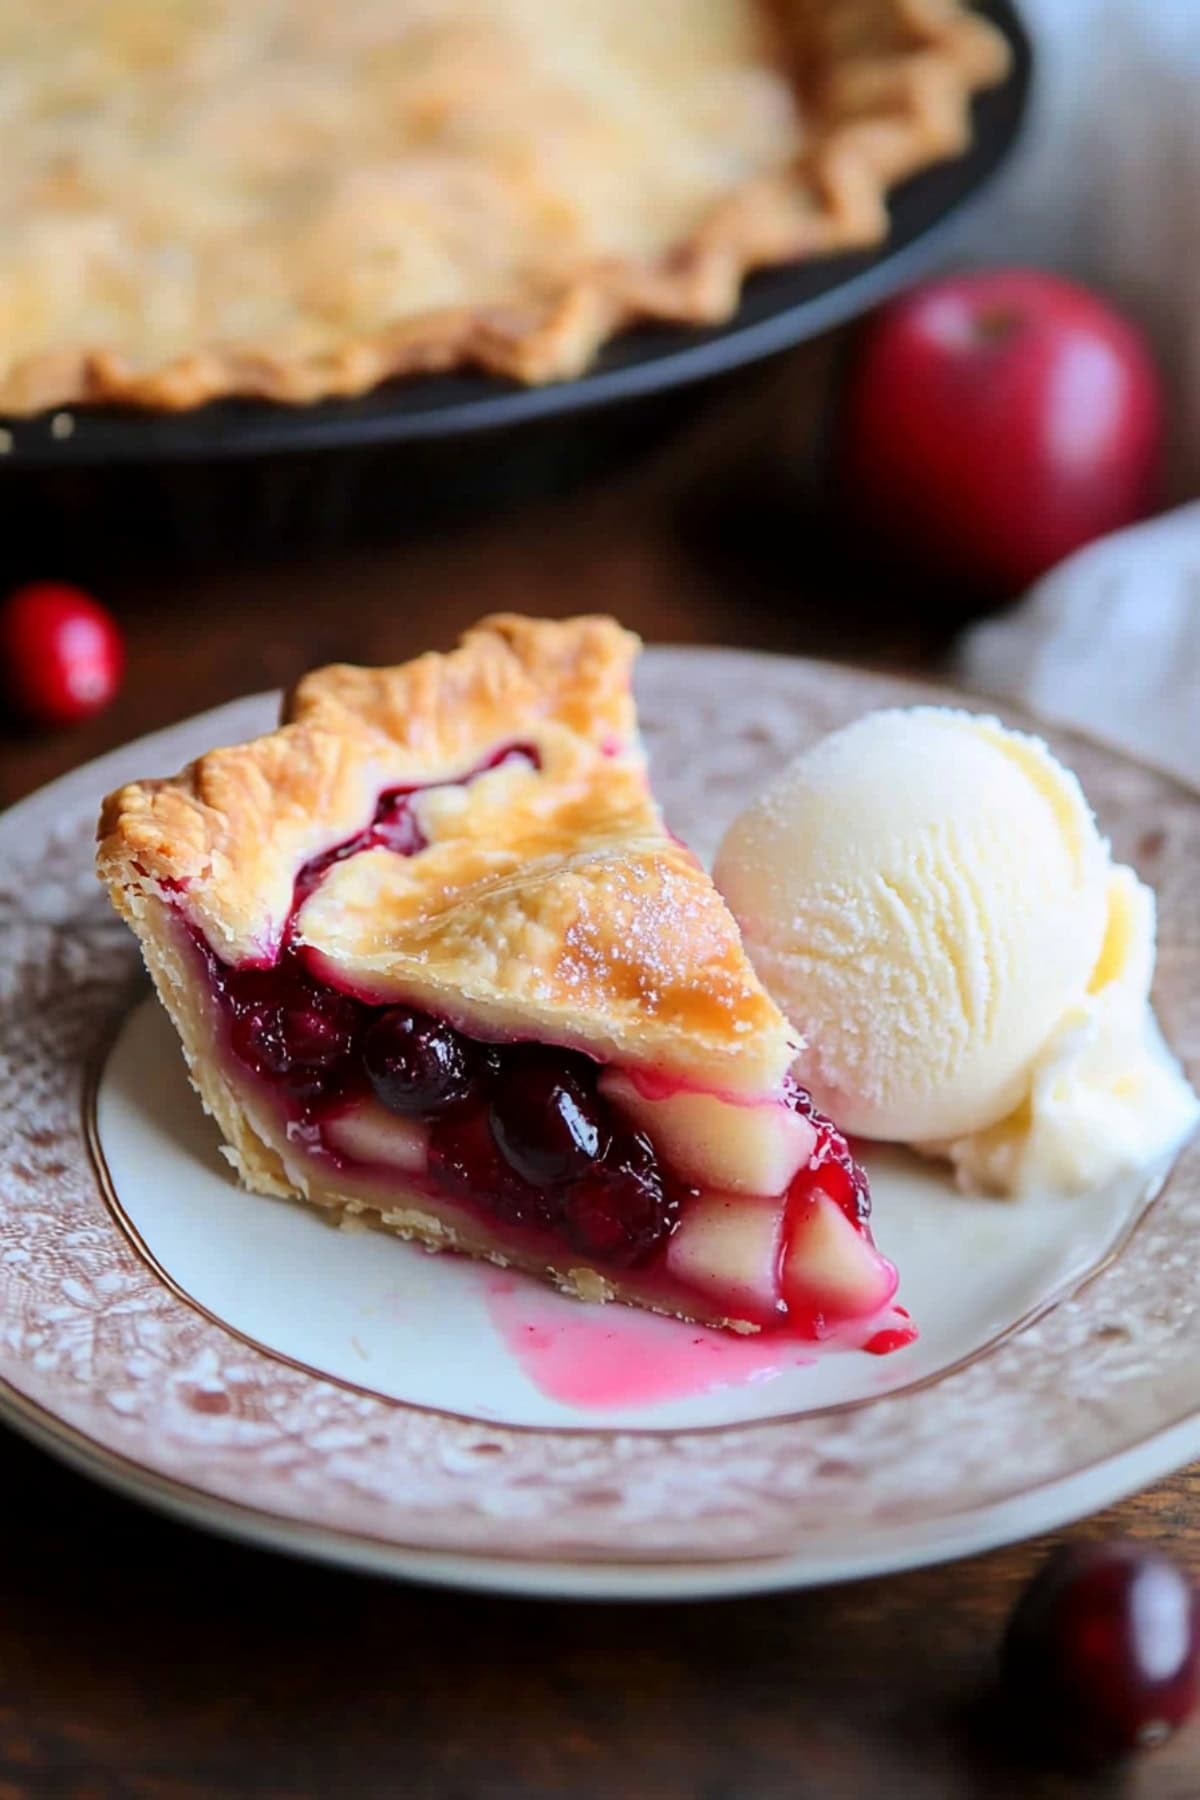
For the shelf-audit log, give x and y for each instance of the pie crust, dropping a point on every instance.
(548, 903)
(303, 200)
(560, 905)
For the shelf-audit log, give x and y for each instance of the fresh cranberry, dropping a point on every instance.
(60, 653)
(621, 1211)
(1104, 1648)
(417, 1065)
(546, 1116)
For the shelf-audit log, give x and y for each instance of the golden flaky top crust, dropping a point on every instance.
(301, 198)
(549, 900)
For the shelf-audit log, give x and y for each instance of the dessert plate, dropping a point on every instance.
(239, 1363)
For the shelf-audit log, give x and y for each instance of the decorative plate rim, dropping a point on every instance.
(492, 1570)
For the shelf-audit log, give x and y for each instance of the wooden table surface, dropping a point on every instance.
(141, 1659)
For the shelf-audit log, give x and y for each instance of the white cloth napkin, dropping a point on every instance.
(1110, 642)
(1107, 185)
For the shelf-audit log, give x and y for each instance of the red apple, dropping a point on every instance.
(61, 655)
(994, 422)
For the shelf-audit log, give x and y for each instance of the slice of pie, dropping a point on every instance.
(437, 963)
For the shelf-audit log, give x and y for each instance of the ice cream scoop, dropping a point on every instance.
(928, 897)
(1104, 1092)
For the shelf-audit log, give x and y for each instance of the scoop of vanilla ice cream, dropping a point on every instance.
(1105, 1093)
(927, 896)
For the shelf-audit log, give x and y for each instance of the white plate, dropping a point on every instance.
(347, 1396)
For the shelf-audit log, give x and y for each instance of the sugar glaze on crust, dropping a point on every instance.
(235, 826)
(443, 202)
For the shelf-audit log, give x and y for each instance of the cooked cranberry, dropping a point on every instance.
(417, 1065)
(862, 1193)
(463, 1154)
(258, 1038)
(1104, 1648)
(621, 1210)
(395, 827)
(845, 1183)
(318, 1033)
(843, 1179)
(284, 1026)
(546, 1116)
(464, 1157)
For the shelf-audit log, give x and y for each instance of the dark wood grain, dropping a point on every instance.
(142, 1661)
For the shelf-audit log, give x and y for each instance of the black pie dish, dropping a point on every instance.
(265, 476)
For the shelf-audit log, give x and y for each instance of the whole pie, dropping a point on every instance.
(438, 966)
(300, 198)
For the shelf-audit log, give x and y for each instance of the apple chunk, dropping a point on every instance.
(728, 1246)
(715, 1143)
(370, 1133)
(829, 1267)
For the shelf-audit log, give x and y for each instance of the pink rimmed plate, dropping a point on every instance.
(240, 1364)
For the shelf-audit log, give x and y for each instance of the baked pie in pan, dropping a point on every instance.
(297, 198)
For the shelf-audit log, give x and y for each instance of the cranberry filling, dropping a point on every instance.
(520, 1131)
(417, 1066)
(532, 1140)
(294, 1031)
(394, 827)
(625, 1206)
(546, 1116)
(843, 1179)
(290, 1030)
